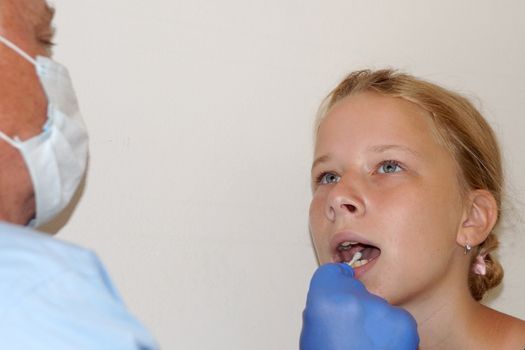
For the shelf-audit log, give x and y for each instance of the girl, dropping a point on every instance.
(408, 175)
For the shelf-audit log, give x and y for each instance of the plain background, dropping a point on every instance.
(200, 115)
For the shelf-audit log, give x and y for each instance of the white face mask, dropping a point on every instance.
(56, 158)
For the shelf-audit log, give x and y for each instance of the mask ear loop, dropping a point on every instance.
(8, 140)
(17, 50)
(31, 60)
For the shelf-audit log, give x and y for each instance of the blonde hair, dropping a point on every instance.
(460, 128)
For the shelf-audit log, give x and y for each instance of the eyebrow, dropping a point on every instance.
(384, 148)
(319, 160)
(373, 149)
(49, 13)
(45, 20)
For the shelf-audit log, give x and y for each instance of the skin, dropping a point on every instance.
(413, 210)
(27, 23)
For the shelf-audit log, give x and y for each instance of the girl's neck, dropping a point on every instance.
(454, 320)
(445, 316)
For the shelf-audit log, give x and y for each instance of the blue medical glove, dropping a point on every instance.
(341, 314)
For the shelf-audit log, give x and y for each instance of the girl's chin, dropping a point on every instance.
(378, 290)
(391, 297)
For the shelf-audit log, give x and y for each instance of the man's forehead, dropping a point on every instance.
(35, 8)
(46, 14)
(42, 10)
(48, 11)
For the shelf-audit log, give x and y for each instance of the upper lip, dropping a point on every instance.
(348, 236)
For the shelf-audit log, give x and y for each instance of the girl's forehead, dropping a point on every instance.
(372, 118)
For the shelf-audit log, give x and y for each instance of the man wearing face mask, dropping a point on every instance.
(53, 295)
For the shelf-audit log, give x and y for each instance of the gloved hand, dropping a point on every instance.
(341, 314)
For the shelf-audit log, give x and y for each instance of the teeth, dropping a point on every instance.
(346, 245)
(360, 263)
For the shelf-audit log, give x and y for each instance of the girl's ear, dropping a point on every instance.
(480, 216)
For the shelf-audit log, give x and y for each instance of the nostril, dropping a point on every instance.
(350, 207)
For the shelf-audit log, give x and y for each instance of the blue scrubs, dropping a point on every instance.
(54, 295)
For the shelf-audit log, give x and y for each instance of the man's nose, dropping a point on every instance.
(344, 200)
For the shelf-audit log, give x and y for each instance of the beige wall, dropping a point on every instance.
(200, 116)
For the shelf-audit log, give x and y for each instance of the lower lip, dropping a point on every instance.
(361, 270)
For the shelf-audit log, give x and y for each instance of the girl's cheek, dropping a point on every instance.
(315, 204)
(316, 219)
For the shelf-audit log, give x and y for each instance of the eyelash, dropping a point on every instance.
(47, 42)
(390, 162)
(319, 178)
(45, 35)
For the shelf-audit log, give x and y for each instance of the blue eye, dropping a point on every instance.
(328, 178)
(389, 166)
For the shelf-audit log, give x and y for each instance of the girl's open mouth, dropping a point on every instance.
(356, 254)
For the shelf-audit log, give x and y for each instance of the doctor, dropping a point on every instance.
(53, 295)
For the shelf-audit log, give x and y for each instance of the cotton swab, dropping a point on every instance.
(355, 258)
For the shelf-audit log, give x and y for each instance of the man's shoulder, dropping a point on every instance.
(29, 258)
(20, 244)
(48, 286)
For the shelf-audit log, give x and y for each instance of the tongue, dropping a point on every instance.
(370, 252)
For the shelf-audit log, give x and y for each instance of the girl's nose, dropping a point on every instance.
(344, 200)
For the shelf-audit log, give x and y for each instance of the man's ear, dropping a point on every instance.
(480, 216)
